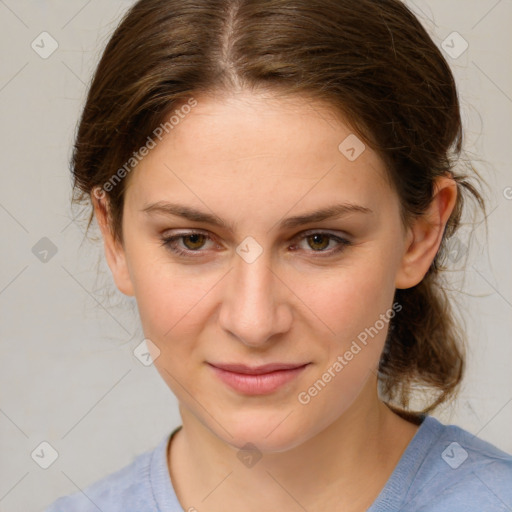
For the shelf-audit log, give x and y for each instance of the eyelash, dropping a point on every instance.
(169, 243)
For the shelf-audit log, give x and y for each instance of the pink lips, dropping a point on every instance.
(257, 380)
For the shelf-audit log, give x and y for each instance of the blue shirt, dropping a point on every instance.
(443, 469)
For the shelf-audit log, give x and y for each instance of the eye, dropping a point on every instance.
(194, 242)
(319, 241)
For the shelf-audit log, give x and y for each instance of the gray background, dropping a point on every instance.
(68, 374)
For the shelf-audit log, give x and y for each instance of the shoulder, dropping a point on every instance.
(128, 488)
(461, 472)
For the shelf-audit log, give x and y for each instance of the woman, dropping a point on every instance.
(275, 184)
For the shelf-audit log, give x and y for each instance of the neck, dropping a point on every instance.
(351, 460)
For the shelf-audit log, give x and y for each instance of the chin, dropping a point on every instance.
(269, 433)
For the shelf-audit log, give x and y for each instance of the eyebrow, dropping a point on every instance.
(194, 215)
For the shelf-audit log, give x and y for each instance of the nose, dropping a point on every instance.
(255, 303)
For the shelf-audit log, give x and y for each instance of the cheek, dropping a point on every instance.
(347, 300)
(357, 306)
(168, 305)
(171, 314)
(167, 293)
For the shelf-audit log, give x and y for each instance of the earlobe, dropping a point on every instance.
(114, 251)
(424, 237)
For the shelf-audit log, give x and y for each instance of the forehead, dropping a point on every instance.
(261, 149)
(251, 125)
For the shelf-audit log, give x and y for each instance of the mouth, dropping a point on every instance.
(257, 380)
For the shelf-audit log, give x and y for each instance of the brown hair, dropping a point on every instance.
(369, 60)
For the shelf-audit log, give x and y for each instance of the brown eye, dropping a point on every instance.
(196, 241)
(320, 241)
(186, 244)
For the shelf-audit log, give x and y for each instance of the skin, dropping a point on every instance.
(253, 159)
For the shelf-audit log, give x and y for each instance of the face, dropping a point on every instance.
(264, 284)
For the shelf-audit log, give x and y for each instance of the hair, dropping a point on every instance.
(370, 61)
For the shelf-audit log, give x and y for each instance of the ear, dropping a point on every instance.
(114, 250)
(426, 234)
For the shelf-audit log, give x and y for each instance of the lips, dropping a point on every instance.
(257, 370)
(257, 380)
